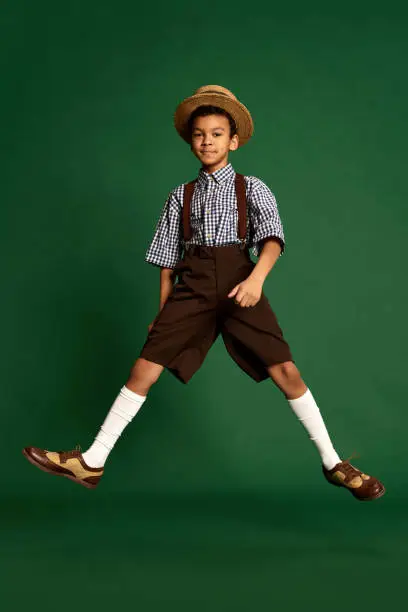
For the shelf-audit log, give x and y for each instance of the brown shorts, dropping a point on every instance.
(198, 309)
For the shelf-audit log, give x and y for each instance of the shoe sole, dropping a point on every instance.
(49, 471)
(379, 494)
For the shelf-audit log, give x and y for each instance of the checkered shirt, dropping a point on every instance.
(214, 217)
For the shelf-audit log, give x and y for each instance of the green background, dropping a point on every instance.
(213, 499)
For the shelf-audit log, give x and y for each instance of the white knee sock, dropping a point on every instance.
(122, 412)
(309, 415)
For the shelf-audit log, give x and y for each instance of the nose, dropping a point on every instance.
(207, 139)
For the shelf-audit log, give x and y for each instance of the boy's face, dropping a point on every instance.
(211, 142)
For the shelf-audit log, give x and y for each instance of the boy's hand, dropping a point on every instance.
(248, 292)
(149, 327)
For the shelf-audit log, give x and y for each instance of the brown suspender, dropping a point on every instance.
(188, 195)
(241, 202)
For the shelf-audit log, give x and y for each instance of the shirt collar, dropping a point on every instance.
(219, 176)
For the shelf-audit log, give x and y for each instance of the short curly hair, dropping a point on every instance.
(203, 111)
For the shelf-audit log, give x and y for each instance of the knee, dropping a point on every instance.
(286, 371)
(146, 371)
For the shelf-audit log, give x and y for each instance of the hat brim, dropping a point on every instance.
(236, 109)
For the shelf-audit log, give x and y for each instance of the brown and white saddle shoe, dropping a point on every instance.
(65, 463)
(360, 485)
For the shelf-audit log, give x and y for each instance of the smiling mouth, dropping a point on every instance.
(206, 152)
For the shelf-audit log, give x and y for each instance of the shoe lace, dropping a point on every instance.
(64, 455)
(349, 469)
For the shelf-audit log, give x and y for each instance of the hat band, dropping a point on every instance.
(220, 93)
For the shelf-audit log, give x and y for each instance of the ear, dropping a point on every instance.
(234, 144)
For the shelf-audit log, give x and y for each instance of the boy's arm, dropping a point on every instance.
(166, 285)
(165, 248)
(266, 224)
(269, 255)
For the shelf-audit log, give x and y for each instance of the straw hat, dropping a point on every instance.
(215, 95)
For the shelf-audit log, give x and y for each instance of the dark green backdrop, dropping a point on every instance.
(213, 499)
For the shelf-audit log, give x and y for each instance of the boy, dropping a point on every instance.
(214, 220)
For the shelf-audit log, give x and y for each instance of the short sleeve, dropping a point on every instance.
(264, 216)
(166, 247)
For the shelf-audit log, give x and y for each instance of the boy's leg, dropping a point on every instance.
(125, 407)
(340, 473)
(87, 468)
(287, 377)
